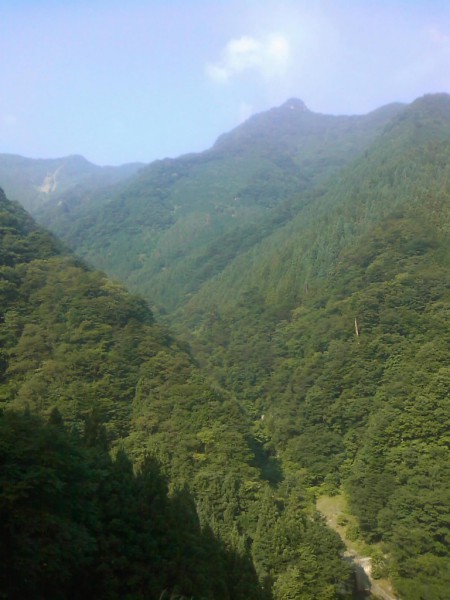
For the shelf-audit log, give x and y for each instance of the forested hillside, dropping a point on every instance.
(160, 232)
(336, 328)
(89, 360)
(76, 523)
(305, 261)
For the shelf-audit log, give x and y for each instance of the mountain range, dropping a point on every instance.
(298, 343)
(45, 183)
(173, 210)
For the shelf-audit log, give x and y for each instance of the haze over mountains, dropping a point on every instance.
(172, 210)
(44, 183)
(305, 261)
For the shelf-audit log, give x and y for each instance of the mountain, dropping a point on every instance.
(155, 231)
(63, 182)
(405, 162)
(317, 337)
(84, 365)
(336, 328)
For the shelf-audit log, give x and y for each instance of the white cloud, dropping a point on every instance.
(269, 57)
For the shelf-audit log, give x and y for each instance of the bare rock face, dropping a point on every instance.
(50, 183)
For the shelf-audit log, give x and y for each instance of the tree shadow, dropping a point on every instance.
(269, 466)
(360, 581)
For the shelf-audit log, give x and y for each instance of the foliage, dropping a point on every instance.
(76, 523)
(77, 347)
(320, 330)
(335, 329)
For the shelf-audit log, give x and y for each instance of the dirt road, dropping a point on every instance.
(332, 508)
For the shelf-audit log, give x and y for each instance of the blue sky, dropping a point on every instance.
(144, 79)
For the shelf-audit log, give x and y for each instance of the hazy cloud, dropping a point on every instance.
(269, 57)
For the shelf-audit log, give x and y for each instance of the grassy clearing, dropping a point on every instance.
(335, 510)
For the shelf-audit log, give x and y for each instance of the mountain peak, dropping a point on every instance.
(295, 104)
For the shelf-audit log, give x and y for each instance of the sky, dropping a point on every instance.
(139, 80)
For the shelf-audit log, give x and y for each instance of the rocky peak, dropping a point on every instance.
(295, 104)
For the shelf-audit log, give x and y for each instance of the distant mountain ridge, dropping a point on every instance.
(154, 228)
(383, 178)
(37, 183)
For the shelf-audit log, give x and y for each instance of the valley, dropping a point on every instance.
(226, 337)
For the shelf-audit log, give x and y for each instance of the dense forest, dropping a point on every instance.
(297, 345)
(339, 334)
(198, 513)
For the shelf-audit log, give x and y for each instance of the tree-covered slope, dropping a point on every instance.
(75, 345)
(359, 394)
(76, 523)
(70, 338)
(408, 160)
(336, 329)
(321, 325)
(155, 231)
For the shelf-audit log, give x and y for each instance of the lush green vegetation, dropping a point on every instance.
(76, 347)
(336, 329)
(306, 261)
(76, 523)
